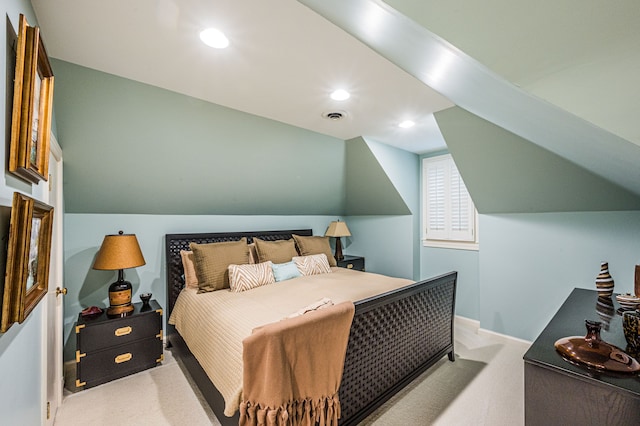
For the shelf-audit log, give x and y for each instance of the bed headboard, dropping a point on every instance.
(176, 242)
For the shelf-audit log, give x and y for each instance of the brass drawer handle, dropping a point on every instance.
(123, 331)
(350, 266)
(123, 358)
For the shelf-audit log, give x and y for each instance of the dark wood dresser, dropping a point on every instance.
(110, 348)
(352, 262)
(560, 393)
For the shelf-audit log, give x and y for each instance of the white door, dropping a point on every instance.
(52, 355)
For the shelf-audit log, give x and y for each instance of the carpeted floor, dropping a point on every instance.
(484, 386)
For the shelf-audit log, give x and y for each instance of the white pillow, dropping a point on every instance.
(314, 264)
(251, 275)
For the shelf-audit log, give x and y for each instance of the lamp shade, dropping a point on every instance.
(119, 252)
(337, 229)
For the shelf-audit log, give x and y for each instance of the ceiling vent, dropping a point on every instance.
(334, 115)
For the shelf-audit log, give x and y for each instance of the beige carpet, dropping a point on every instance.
(484, 386)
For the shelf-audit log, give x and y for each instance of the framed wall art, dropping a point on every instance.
(28, 255)
(32, 106)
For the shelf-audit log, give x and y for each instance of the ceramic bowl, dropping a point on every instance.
(628, 301)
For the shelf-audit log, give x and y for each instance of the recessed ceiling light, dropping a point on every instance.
(406, 124)
(214, 38)
(340, 95)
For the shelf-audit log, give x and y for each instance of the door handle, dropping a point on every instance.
(60, 291)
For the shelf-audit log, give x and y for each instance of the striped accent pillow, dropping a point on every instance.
(246, 277)
(314, 264)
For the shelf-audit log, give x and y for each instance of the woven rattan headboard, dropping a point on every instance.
(176, 242)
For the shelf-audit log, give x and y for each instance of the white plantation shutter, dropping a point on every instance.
(449, 213)
(436, 197)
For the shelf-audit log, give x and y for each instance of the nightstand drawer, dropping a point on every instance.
(352, 262)
(95, 335)
(110, 348)
(95, 368)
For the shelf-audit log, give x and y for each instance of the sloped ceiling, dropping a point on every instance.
(520, 177)
(481, 91)
(368, 187)
(581, 55)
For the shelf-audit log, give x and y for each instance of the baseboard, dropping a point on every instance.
(475, 326)
(467, 323)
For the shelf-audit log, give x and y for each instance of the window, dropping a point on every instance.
(449, 216)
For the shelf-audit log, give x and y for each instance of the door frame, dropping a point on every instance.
(54, 316)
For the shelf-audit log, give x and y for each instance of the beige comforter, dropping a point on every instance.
(214, 324)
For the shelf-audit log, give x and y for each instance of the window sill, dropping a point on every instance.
(456, 245)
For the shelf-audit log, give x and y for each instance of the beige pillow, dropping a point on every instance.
(280, 251)
(314, 264)
(253, 255)
(190, 277)
(315, 245)
(246, 277)
(211, 262)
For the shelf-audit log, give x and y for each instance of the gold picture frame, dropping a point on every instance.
(32, 107)
(28, 256)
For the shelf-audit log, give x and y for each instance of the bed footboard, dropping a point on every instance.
(394, 338)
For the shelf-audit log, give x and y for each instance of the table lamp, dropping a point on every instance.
(338, 229)
(119, 252)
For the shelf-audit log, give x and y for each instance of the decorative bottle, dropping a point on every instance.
(604, 282)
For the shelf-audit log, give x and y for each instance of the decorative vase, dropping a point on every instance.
(630, 326)
(636, 285)
(593, 352)
(631, 329)
(604, 282)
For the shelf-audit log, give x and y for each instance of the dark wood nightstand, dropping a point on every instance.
(352, 262)
(110, 348)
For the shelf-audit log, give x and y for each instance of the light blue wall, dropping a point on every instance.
(529, 263)
(21, 352)
(386, 242)
(83, 235)
(437, 261)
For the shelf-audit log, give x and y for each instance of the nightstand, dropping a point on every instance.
(352, 262)
(110, 348)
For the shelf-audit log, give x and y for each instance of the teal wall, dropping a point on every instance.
(21, 352)
(179, 164)
(386, 180)
(168, 153)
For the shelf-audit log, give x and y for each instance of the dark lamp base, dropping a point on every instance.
(339, 256)
(119, 311)
(120, 298)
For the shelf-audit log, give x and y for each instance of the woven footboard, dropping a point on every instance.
(394, 338)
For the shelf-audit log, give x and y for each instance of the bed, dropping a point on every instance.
(394, 336)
